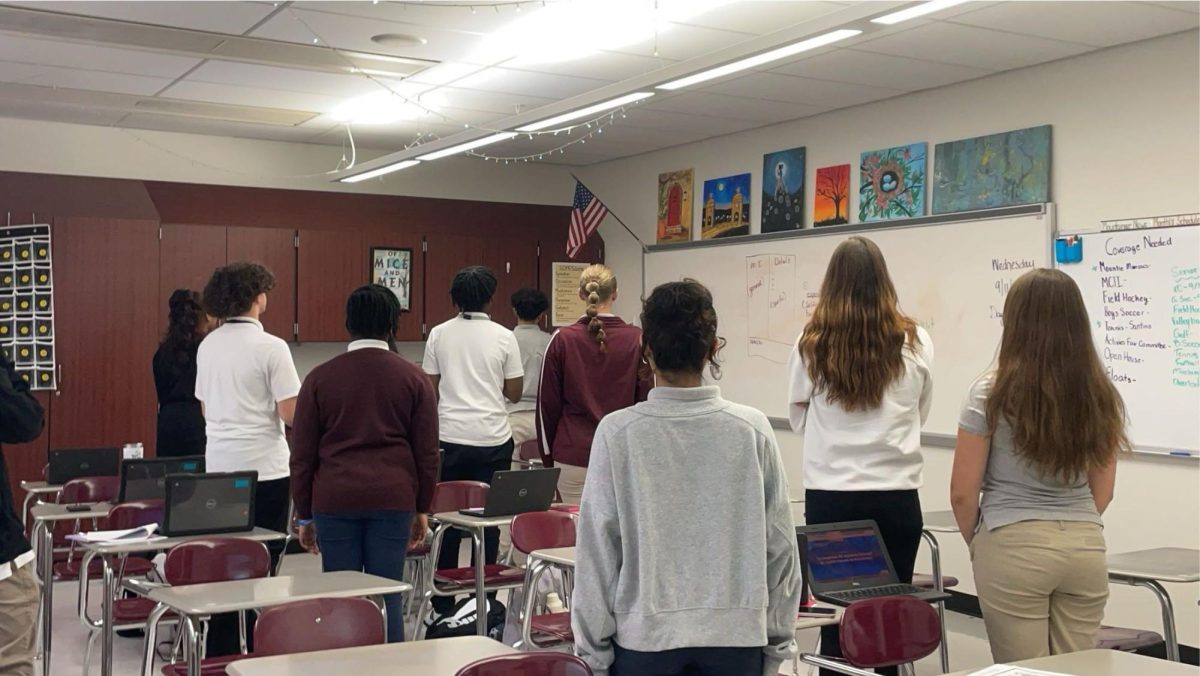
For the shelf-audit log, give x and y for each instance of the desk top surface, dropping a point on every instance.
(440, 657)
(940, 522)
(225, 597)
(813, 621)
(1102, 663)
(464, 521)
(55, 512)
(1166, 564)
(162, 544)
(563, 556)
(40, 487)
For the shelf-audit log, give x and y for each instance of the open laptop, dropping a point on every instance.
(198, 504)
(518, 491)
(847, 562)
(65, 464)
(146, 479)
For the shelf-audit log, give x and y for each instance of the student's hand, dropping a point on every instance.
(308, 538)
(420, 527)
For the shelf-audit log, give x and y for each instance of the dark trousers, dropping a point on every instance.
(373, 542)
(470, 463)
(898, 514)
(688, 662)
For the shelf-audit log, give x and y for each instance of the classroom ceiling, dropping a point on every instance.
(286, 70)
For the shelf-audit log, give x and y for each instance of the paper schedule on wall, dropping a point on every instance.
(27, 303)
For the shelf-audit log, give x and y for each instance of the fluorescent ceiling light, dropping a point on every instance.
(469, 145)
(385, 169)
(586, 112)
(385, 107)
(914, 12)
(760, 59)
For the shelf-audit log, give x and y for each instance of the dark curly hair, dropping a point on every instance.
(529, 304)
(232, 289)
(473, 288)
(679, 325)
(372, 312)
(185, 325)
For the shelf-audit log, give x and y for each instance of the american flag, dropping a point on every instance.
(586, 214)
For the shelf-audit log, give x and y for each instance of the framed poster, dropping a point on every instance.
(393, 268)
(566, 307)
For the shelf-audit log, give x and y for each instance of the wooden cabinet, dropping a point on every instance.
(515, 262)
(446, 255)
(276, 249)
(330, 264)
(187, 256)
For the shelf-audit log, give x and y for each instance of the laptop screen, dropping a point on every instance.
(209, 503)
(846, 558)
(147, 479)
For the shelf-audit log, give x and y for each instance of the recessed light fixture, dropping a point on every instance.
(916, 11)
(469, 145)
(760, 59)
(398, 40)
(374, 173)
(585, 112)
(385, 107)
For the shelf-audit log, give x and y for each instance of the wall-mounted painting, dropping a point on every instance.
(675, 206)
(783, 190)
(997, 170)
(726, 207)
(892, 183)
(831, 196)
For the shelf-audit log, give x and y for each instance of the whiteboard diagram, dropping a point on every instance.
(772, 305)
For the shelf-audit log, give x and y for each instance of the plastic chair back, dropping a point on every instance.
(90, 489)
(528, 664)
(888, 631)
(543, 530)
(451, 496)
(216, 560)
(318, 624)
(135, 514)
(531, 451)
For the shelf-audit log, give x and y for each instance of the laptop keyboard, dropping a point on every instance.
(874, 592)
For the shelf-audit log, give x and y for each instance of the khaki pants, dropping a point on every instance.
(1042, 587)
(570, 482)
(18, 622)
(523, 427)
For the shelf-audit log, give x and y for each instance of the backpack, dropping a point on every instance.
(461, 620)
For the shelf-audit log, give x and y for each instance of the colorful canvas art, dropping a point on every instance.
(726, 207)
(675, 206)
(831, 196)
(783, 190)
(892, 183)
(997, 170)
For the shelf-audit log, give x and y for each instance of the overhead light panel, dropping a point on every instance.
(760, 59)
(916, 11)
(381, 171)
(469, 145)
(587, 112)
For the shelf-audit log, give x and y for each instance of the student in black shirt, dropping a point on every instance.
(180, 422)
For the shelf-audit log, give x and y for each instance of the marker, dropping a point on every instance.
(1180, 454)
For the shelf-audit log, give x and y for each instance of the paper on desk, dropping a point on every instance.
(129, 535)
(1009, 670)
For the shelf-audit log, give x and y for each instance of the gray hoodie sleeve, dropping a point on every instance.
(783, 561)
(598, 560)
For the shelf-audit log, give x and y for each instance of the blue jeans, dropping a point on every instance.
(374, 542)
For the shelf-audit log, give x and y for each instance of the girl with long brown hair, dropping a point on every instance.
(1039, 436)
(860, 390)
(180, 422)
(591, 369)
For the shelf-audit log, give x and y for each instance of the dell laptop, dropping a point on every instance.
(73, 463)
(518, 491)
(147, 479)
(200, 504)
(847, 562)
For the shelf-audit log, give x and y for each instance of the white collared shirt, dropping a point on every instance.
(532, 341)
(367, 343)
(8, 569)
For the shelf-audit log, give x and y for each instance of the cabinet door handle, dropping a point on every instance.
(58, 380)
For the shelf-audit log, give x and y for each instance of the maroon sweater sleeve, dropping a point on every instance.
(306, 440)
(550, 399)
(424, 440)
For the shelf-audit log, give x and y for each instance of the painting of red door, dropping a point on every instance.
(675, 206)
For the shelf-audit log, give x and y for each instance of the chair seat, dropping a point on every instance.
(69, 570)
(1126, 640)
(557, 625)
(212, 666)
(569, 509)
(493, 574)
(135, 610)
(926, 581)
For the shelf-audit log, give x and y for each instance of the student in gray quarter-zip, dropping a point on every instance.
(686, 555)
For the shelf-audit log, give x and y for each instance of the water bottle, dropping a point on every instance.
(133, 451)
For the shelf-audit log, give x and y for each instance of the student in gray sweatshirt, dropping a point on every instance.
(687, 557)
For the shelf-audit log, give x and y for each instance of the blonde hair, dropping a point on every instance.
(597, 284)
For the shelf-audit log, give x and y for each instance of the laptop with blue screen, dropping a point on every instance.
(200, 504)
(847, 562)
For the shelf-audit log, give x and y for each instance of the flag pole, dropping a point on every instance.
(614, 215)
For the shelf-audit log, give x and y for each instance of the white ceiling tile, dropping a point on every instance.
(969, 46)
(92, 57)
(193, 125)
(482, 20)
(260, 97)
(72, 78)
(762, 17)
(1180, 5)
(40, 110)
(1100, 24)
(354, 33)
(808, 91)
(500, 104)
(546, 85)
(681, 42)
(880, 70)
(610, 66)
(721, 105)
(231, 17)
(288, 79)
(686, 122)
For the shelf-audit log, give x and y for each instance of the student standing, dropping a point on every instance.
(475, 365)
(591, 369)
(646, 601)
(1039, 436)
(365, 451)
(180, 422)
(529, 305)
(861, 387)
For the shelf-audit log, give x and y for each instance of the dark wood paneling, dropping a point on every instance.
(410, 321)
(515, 262)
(49, 196)
(106, 292)
(447, 255)
(187, 256)
(330, 264)
(276, 249)
(25, 461)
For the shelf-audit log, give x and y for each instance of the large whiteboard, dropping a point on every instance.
(952, 277)
(1142, 290)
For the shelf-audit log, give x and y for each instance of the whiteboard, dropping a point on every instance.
(951, 275)
(1142, 291)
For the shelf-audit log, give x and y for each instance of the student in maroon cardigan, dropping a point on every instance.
(591, 368)
(365, 451)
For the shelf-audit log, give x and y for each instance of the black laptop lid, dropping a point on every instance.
(65, 464)
(147, 479)
(198, 504)
(841, 556)
(520, 491)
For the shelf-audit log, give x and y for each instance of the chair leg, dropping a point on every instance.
(87, 652)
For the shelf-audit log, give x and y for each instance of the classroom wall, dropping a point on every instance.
(1125, 135)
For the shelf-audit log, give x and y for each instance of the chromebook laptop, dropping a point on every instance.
(518, 491)
(199, 504)
(65, 464)
(146, 479)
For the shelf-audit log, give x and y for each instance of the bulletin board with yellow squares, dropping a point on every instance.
(27, 303)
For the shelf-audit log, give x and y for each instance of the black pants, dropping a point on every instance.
(688, 662)
(898, 514)
(470, 463)
(272, 501)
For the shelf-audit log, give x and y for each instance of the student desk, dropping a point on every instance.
(475, 525)
(108, 552)
(197, 602)
(540, 560)
(1149, 568)
(939, 522)
(1100, 662)
(34, 490)
(441, 657)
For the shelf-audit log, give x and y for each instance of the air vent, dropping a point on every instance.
(220, 111)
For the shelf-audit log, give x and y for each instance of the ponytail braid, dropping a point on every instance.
(597, 284)
(596, 325)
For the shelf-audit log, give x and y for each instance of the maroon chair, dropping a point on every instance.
(528, 664)
(531, 532)
(318, 624)
(882, 632)
(83, 489)
(529, 454)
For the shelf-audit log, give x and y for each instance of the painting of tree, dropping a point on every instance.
(832, 196)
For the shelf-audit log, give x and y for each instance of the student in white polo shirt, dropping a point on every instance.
(475, 364)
